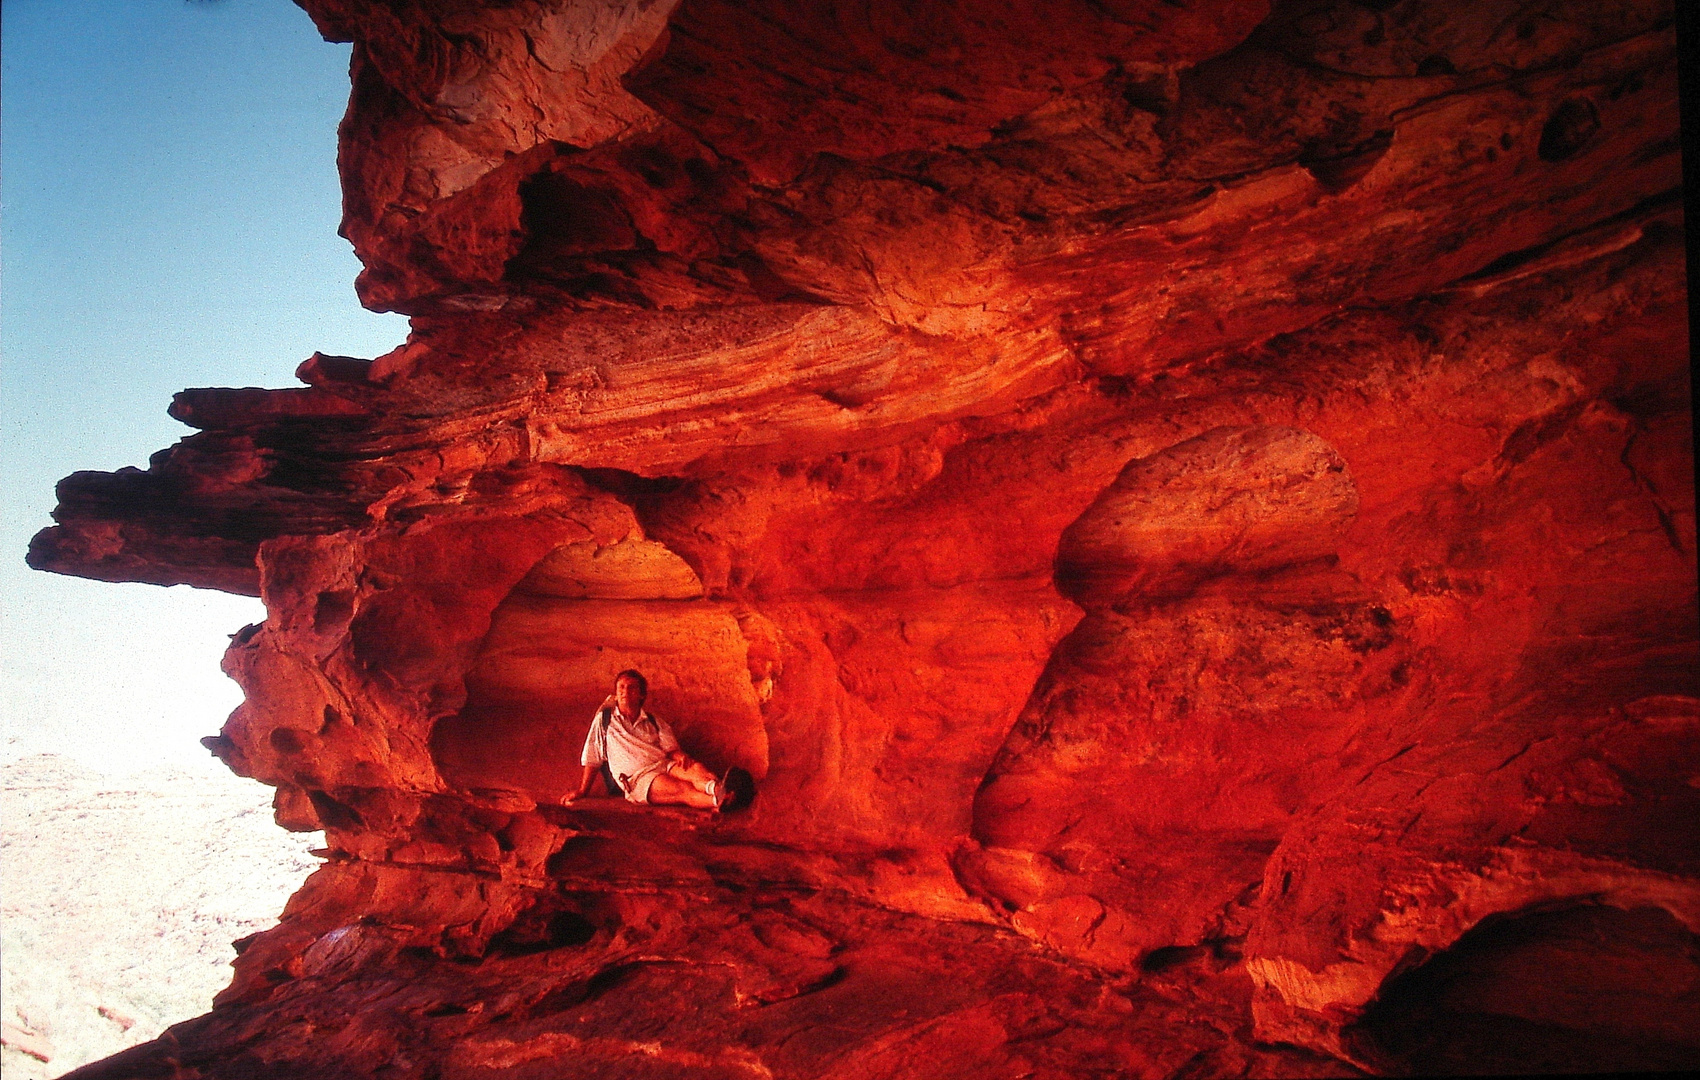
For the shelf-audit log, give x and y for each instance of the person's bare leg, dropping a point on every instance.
(692, 772)
(667, 790)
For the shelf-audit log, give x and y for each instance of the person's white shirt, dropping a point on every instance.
(630, 747)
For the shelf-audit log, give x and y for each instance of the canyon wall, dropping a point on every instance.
(1187, 510)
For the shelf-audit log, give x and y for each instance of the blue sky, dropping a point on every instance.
(168, 213)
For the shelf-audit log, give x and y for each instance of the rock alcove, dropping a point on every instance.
(1188, 509)
(581, 615)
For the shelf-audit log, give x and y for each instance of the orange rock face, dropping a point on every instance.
(1187, 511)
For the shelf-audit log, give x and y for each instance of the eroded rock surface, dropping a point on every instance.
(1187, 509)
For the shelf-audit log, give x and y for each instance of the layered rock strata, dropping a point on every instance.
(1187, 510)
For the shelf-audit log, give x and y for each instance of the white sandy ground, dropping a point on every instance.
(120, 896)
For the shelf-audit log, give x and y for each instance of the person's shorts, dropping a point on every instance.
(637, 787)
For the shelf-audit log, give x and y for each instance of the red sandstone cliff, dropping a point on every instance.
(1187, 508)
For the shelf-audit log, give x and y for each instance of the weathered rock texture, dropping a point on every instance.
(1187, 508)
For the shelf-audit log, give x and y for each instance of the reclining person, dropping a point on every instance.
(642, 754)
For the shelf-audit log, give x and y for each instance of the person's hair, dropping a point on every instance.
(635, 675)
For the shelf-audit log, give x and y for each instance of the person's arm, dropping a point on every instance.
(667, 741)
(590, 773)
(676, 756)
(592, 757)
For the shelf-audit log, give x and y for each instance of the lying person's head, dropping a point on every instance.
(631, 689)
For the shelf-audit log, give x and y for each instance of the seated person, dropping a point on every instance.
(643, 755)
